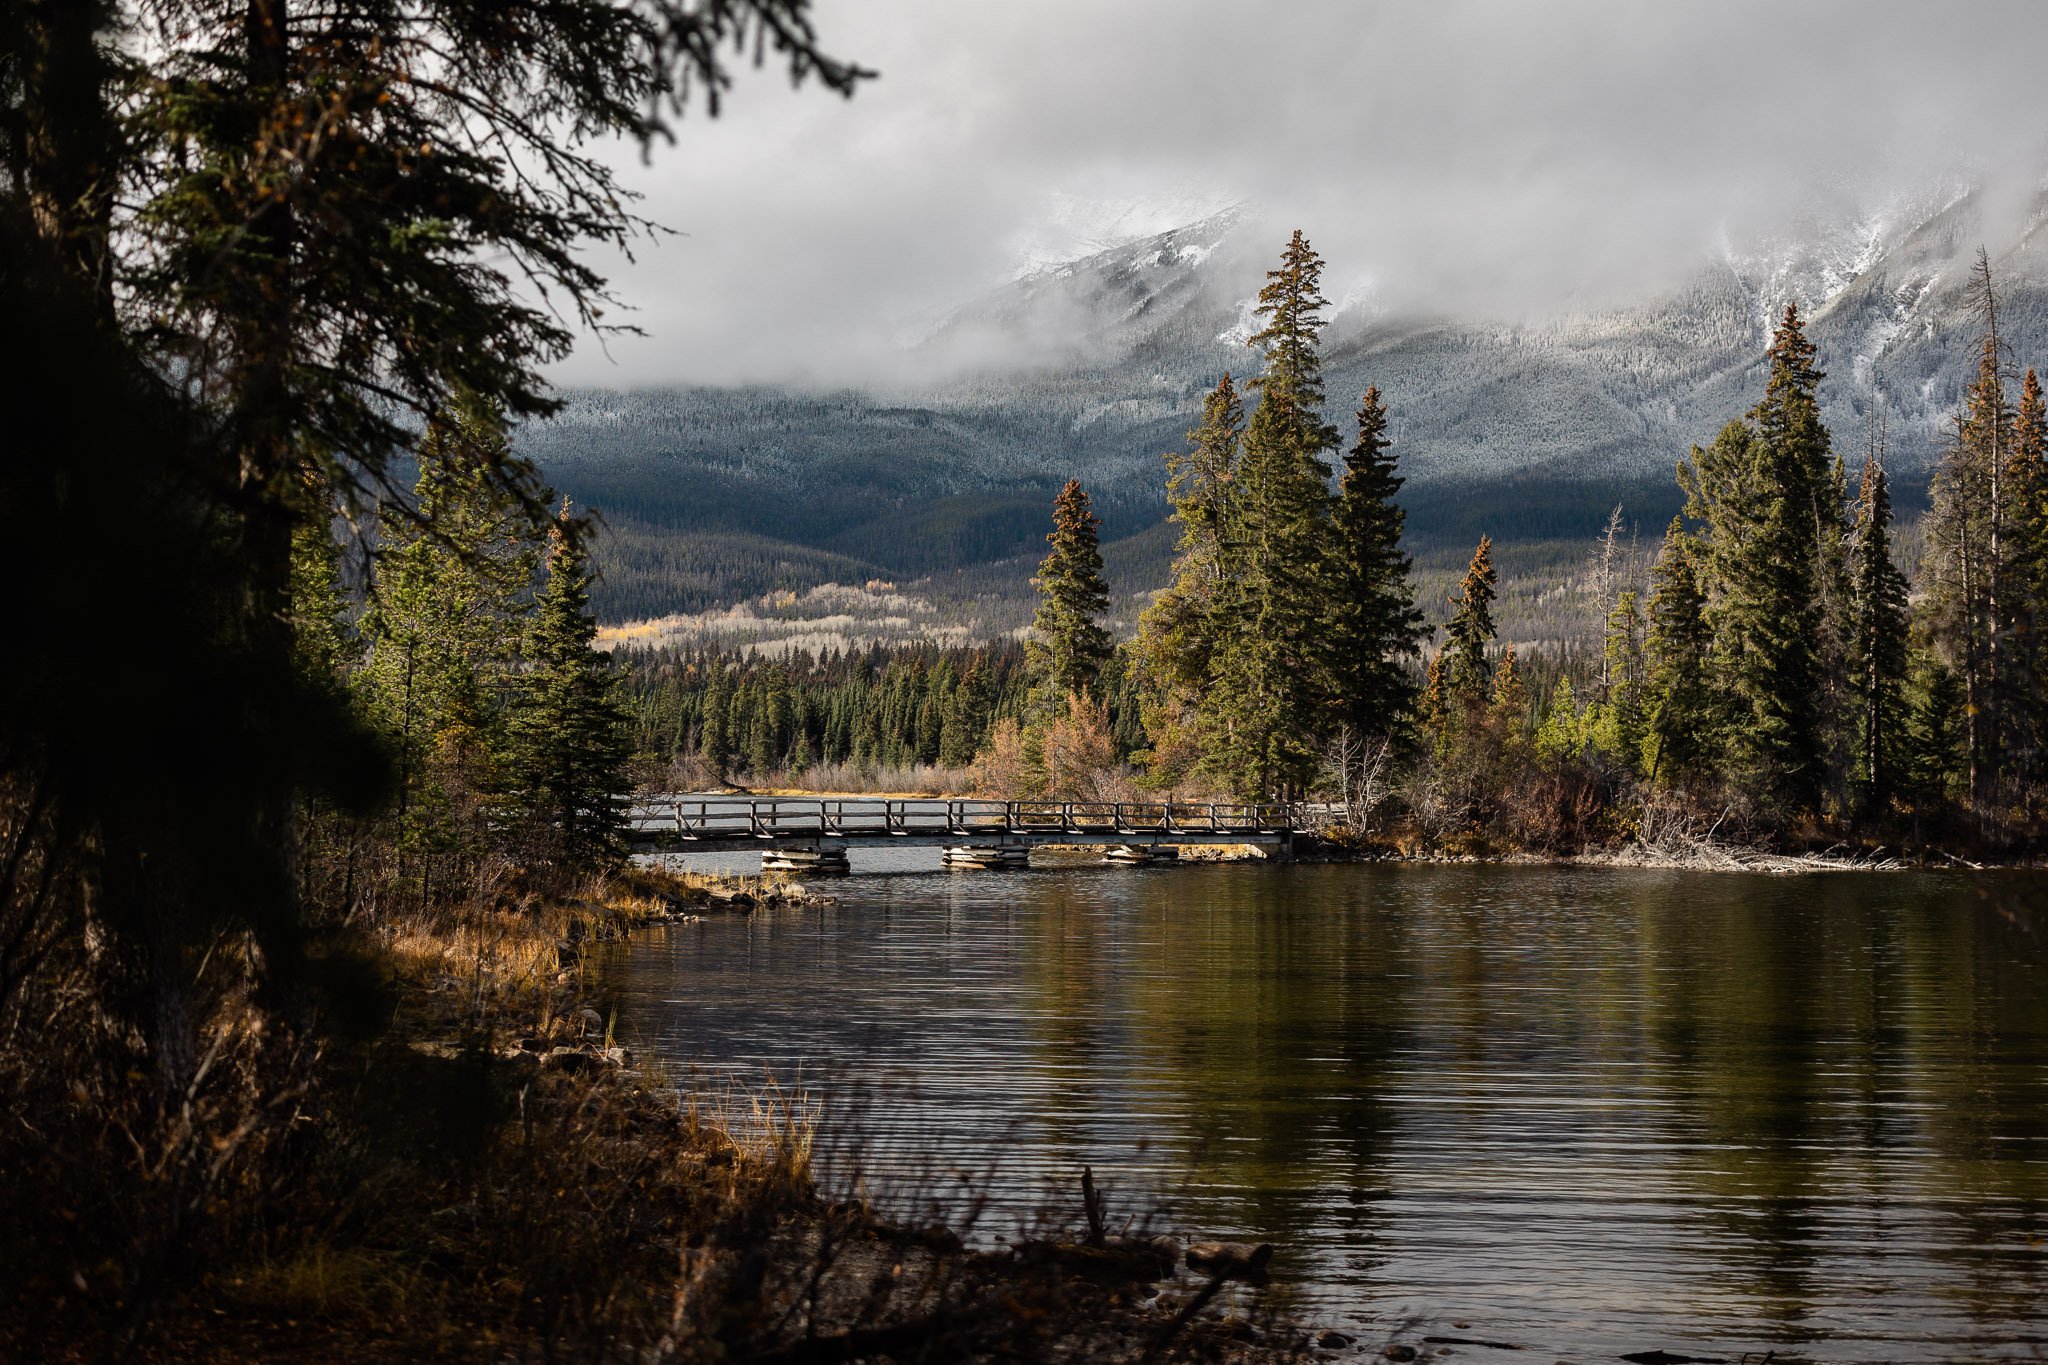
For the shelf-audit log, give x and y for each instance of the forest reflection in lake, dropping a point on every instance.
(1586, 1110)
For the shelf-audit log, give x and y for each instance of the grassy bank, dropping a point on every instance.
(457, 1160)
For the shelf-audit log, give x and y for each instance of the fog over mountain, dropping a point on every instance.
(1556, 238)
(1529, 430)
(1458, 158)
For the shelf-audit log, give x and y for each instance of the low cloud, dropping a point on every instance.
(1475, 158)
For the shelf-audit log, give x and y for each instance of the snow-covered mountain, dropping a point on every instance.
(1615, 391)
(1093, 365)
(1074, 228)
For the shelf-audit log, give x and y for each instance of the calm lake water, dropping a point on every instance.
(1583, 1111)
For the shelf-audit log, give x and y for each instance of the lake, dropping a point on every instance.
(1583, 1111)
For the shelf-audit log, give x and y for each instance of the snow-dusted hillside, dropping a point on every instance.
(1093, 366)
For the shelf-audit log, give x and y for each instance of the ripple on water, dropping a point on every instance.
(1588, 1110)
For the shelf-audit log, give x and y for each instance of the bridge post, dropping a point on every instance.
(818, 856)
(1004, 853)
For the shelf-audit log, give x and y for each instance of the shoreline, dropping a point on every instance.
(1139, 1298)
(1718, 858)
(813, 1263)
(487, 1173)
(1405, 844)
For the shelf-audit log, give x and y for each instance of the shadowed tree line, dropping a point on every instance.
(705, 717)
(260, 257)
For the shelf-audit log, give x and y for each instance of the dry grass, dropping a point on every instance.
(770, 1131)
(914, 781)
(448, 1165)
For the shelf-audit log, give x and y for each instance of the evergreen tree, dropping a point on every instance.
(1201, 487)
(568, 733)
(2026, 531)
(322, 647)
(441, 637)
(1510, 689)
(1510, 703)
(968, 713)
(1966, 551)
(1120, 685)
(1466, 673)
(1181, 635)
(1621, 723)
(1937, 740)
(1374, 626)
(1433, 707)
(1069, 646)
(1880, 640)
(1272, 682)
(1679, 699)
(715, 733)
(1561, 737)
(1766, 492)
(1835, 649)
(769, 725)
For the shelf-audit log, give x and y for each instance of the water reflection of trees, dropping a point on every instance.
(1786, 1107)
(1250, 1043)
(1857, 1069)
(1805, 1097)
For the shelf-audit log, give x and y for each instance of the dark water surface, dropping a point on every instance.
(1586, 1111)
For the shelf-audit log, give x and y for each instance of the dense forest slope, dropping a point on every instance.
(1531, 430)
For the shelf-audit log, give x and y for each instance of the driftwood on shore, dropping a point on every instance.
(1668, 837)
(1706, 855)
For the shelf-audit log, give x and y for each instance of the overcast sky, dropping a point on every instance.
(1492, 158)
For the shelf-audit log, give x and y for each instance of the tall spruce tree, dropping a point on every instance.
(1880, 640)
(1766, 492)
(1937, 742)
(319, 608)
(715, 731)
(441, 635)
(1620, 721)
(1272, 681)
(1069, 646)
(1201, 486)
(1510, 702)
(567, 731)
(1433, 707)
(1374, 628)
(1680, 703)
(1466, 673)
(1966, 550)
(1181, 634)
(2026, 530)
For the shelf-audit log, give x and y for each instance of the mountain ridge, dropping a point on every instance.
(1092, 368)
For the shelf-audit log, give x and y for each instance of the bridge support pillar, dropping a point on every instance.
(1136, 855)
(969, 857)
(823, 857)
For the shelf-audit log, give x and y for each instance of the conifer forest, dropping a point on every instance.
(988, 825)
(1771, 670)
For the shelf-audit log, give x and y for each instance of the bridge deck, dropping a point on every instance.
(710, 824)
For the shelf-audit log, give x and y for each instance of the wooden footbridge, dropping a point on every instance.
(800, 832)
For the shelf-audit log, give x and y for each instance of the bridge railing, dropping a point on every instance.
(772, 818)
